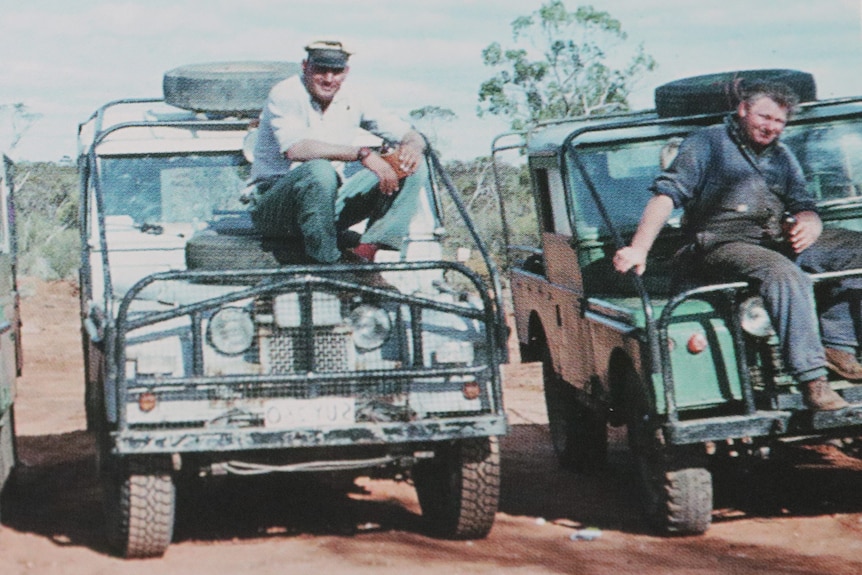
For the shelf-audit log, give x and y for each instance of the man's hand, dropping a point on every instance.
(384, 172)
(410, 154)
(805, 231)
(630, 257)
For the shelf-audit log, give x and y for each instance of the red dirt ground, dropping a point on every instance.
(800, 515)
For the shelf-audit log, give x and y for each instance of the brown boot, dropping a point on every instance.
(818, 395)
(844, 364)
(369, 278)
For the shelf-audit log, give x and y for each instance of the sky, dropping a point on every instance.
(63, 59)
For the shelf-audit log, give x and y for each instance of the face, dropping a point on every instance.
(762, 120)
(323, 83)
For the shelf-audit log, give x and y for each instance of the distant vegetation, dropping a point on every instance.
(46, 210)
(46, 197)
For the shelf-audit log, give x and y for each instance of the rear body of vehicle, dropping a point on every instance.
(693, 369)
(208, 352)
(10, 327)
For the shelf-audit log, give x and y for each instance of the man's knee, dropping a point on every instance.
(318, 174)
(786, 274)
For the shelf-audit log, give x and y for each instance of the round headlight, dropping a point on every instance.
(754, 318)
(231, 331)
(371, 326)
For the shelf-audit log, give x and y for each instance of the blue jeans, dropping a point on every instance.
(309, 203)
(788, 294)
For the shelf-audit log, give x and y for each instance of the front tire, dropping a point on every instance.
(459, 489)
(675, 487)
(140, 503)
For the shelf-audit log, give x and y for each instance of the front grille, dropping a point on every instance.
(330, 350)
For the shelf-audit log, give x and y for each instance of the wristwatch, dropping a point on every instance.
(362, 154)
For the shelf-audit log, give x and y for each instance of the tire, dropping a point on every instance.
(140, 503)
(8, 457)
(579, 435)
(208, 251)
(714, 93)
(459, 489)
(675, 487)
(225, 87)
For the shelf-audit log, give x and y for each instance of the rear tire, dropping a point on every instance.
(459, 489)
(140, 503)
(578, 434)
(8, 457)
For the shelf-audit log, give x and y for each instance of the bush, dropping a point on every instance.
(46, 210)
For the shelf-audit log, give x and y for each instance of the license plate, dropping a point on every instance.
(320, 411)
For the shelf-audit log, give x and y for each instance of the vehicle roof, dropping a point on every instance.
(546, 139)
(151, 126)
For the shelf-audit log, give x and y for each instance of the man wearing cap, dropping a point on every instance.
(306, 136)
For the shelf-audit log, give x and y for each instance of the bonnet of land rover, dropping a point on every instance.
(211, 351)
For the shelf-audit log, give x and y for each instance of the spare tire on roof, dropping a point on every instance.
(238, 88)
(715, 93)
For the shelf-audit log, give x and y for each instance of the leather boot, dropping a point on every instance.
(369, 278)
(818, 395)
(844, 364)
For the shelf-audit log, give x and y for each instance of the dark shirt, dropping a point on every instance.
(730, 192)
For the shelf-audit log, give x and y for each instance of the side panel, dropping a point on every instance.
(9, 324)
(557, 301)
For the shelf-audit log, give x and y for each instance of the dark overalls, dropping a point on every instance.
(734, 201)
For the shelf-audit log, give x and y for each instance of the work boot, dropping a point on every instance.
(818, 395)
(368, 278)
(844, 364)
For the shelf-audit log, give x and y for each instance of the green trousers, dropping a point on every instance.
(311, 204)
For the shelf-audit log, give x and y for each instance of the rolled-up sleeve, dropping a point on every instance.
(684, 177)
(287, 118)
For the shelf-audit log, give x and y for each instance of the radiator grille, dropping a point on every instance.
(331, 351)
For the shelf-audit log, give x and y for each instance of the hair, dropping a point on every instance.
(778, 92)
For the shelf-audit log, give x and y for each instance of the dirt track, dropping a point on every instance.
(800, 516)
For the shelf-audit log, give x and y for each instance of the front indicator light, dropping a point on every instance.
(231, 331)
(147, 401)
(471, 390)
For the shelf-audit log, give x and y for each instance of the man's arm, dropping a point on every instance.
(656, 214)
(305, 150)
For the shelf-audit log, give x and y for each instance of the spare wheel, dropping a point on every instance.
(713, 93)
(238, 88)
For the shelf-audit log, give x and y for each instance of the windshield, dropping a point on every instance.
(830, 154)
(172, 189)
(831, 157)
(622, 175)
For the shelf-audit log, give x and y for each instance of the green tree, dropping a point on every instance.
(475, 181)
(564, 64)
(427, 120)
(46, 208)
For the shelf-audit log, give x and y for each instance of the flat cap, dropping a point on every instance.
(327, 54)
